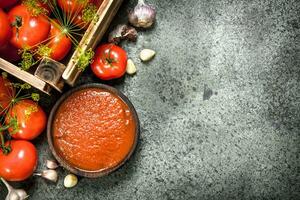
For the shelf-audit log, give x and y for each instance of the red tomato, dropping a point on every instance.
(5, 29)
(7, 3)
(7, 92)
(60, 44)
(109, 62)
(30, 118)
(28, 30)
(72, 6)
(20, 163)
(10, 53)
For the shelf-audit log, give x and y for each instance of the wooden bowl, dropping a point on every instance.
(62, 161)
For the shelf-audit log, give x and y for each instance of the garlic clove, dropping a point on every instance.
(130, 68)
(49, 174)
(14, 194)
(70, 181)
(51, 164)
(22, 193)
(147, 54)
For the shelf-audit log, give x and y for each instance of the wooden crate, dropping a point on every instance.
(70, 72)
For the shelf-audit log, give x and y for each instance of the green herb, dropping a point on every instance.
(44, 51)
(34, 8)
(85, 58)
(89, 13)
(27, 59)
(14, 125)
(23, 86)
(35, 96)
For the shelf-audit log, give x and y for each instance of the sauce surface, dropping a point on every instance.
(93, 130)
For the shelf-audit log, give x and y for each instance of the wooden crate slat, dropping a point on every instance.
(24, 76)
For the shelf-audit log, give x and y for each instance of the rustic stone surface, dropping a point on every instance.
(219, 106)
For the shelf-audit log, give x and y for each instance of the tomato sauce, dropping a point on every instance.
(93, 130)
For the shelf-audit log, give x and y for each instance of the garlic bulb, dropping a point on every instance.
(143, 15)
(70, 181)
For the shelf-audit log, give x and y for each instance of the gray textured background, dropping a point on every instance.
(219, 106)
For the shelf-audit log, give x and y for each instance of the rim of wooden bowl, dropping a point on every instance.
(63, 162)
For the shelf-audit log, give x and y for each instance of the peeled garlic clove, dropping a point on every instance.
(51, 164)
(130, 68)
(70, 181)
(147, 54)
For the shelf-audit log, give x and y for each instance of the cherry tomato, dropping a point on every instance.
(28, 30)
(7, 92)
(109, 62)
(9, 53)
(30, 119)
(20, 163)
(73, 6)
(7, 3)
(5, 29)
(60, 44)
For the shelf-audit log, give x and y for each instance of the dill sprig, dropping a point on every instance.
(27, 59)
(44, 51)
(85, 58)
(32, 6)
(89, 13)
